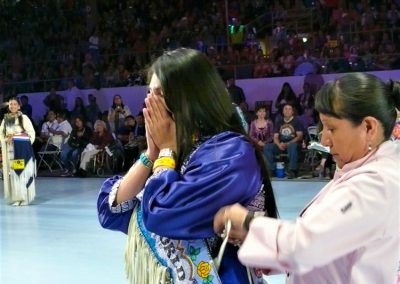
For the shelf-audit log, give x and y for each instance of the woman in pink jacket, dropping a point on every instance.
(349, 232)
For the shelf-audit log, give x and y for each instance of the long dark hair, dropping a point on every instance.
(198, 98)
(113, 106)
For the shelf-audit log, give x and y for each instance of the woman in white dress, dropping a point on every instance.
(19, 166)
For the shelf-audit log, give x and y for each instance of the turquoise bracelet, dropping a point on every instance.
(146, 161)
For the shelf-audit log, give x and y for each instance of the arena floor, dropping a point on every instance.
(58, 239)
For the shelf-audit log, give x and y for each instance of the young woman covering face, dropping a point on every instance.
(192, 167)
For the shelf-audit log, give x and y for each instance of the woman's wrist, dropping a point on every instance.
(164, 162)
(167, 152)
(151, 155)
(146, 161)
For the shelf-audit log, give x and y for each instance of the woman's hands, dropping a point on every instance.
(237, 214)
(160, 127)
(152, 150)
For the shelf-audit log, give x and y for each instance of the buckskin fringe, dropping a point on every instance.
(141, 265)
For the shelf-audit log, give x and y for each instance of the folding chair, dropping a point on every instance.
(311, 155)
(50, 153)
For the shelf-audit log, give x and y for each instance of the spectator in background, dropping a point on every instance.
(286, 96)
(247, 114)
(337, 63)
(133, 137)
(306, 99)
(94, 46)
(99, 140)
(54, 101)
(71, 92)
(235, 92)
(104, 117)
(288, 135)
(117, 113)
(26, 107)
(77, 141)
(262, 128)
(93, 111)
(262, 68)
(124, 134)
(50, 123)
(78, 109)
(63, 130)
(279, 33)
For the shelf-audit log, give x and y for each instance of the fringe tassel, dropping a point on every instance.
(15, 188)
(6, 170)
(140, 264)
(19, 190)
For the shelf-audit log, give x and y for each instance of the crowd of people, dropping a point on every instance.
(75, 136)
(194, 212)
(103, 44)
(171, 202)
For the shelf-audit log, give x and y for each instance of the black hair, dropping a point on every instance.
(201, 106)
(129, 116)
(62, 113)
(114, 105)
(10, 120)
(358, 95)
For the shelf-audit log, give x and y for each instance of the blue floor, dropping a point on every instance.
(58, 240)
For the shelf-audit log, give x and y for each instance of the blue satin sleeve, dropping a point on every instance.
(222, 171)
(108, 219)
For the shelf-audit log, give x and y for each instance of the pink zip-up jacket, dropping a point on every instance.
(349, 233)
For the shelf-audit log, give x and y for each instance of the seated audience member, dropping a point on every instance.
(235, 92)
(288, 135)
(77, 141)
(104, 117)
(261, 128)
(134, 142)
(78, 110)
(62, 131)
(51, 122)
(324, 169)
(93, 111)
(41, 139)
(125, 131)
(100, 139)
(286, 96)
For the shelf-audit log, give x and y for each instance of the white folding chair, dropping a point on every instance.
(313, 133)
(311, 155)
(50, 153)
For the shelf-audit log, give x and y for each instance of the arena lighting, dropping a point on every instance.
(303, 36)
